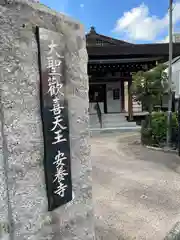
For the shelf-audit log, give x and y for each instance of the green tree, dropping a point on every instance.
(148, 87)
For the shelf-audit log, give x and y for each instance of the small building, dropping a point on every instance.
(110, 67)
(176, 37)
(175, 76)
(175, 81)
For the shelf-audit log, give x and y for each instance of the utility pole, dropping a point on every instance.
(169, 128)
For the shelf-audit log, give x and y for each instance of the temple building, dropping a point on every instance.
(110, 67)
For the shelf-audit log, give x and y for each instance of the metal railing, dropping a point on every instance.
(99, 114)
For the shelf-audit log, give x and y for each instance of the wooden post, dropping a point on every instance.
(122, 96)
(130, 107)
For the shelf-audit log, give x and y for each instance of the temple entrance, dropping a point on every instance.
(108, 95)
(114, 97)
(97, 93)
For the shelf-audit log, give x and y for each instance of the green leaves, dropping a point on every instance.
(155, 134)
(149, 87)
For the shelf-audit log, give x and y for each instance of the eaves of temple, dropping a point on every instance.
(102, 46)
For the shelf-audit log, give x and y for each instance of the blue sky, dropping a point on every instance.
(131, 20)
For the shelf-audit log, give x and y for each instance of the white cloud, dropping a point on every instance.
(81, 5)
(138, 24)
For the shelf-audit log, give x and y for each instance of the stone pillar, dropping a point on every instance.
(21, 136)
(122, 96)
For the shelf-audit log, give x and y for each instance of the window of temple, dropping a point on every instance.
(116, 94)
(99, 42)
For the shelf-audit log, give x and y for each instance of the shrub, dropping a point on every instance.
(159, 128)
(156, 133)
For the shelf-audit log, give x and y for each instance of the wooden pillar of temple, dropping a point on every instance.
(122, 96)
(130, 105)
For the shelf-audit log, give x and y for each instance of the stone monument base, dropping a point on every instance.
(23, 196)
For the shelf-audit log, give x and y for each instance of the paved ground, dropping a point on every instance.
(136, 190)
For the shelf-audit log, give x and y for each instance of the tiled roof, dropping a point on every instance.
(115, 47)
(112, 41)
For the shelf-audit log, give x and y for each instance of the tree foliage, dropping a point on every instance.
(148, 87)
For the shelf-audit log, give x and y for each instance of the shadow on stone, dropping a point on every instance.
(174, 234)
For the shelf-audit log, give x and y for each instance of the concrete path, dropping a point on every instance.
(136, 190)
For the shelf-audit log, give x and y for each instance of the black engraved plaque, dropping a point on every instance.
(54, 112)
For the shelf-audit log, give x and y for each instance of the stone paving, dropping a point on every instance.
(136, 190)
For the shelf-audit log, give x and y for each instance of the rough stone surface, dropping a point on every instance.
(135, 189)
(174, 234)
(3, 187)
(22, 126)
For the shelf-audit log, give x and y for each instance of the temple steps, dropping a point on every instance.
(114, 120)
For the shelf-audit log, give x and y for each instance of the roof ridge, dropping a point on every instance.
(111, 38)
(93, 33)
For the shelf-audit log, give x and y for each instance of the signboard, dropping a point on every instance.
(54, 111)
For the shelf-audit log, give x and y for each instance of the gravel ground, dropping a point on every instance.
(136, 190)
